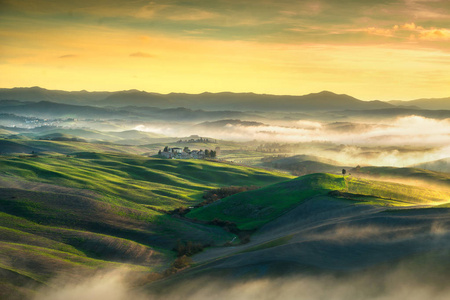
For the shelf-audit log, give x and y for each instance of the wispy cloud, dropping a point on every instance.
(68, 56)
(141, 54)
(412, 31)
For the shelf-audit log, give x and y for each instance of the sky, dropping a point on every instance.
(370, 49)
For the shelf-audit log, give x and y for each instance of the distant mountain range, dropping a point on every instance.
(12, 109)
(440, 103)
(216, 101)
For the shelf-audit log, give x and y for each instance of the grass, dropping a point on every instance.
(405, 173)
(95, 210)
(401, 193)
(274, 243)
(153, 182)
(20, 146)
(250, 210)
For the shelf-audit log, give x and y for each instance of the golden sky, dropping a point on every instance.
(370, 49)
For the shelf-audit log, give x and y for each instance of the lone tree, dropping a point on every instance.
(344, 172)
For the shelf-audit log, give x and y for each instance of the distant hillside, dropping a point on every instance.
(186, 114)
(396, 112)
(223, 123)
(439, 103)
(37, 94)
(216, 101)
(46, 109)
(303, 164)
(410, 174)
(208, 101)
(441, 165)
(18, 111)
(20, 145)
(245, 101)
(137, 98)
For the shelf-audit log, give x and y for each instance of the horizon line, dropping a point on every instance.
(207, 92)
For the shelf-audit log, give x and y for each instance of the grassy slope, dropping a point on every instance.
(51, 221)
(405, 173)
(253, 209)
(18, 146)
(147, 181)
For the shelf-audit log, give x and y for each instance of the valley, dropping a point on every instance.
(88, 194)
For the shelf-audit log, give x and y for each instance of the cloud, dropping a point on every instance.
(193, 15)
(141, 54)
(411, 31)
(174, 12)
(380, 31)
(409, 26)
(68, 56)
(435, 35)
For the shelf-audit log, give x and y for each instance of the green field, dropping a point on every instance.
(89, 210)
(74, 211)
(250, 210)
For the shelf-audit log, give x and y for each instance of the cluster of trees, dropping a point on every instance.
(179, 264)
(207, 153)
(227, 225)
(199, 140)
(244, 235)
(268, 159)
(211, 196)
(188, 248)
(275, 147)
(210, 153)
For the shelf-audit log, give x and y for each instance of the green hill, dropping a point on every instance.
(252, 209)
(321, 224)
(303, 164)
(411, 174)
(26, 146)
(96, 210)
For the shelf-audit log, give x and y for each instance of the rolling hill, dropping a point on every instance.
(251, 210)
(304, 164)
(47, 109)
(395, 112)
(439, 103)
(441, 165)
(92, 211)
(320, 225)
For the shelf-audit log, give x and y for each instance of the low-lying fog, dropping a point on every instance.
(396, 283)
(399, 142)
